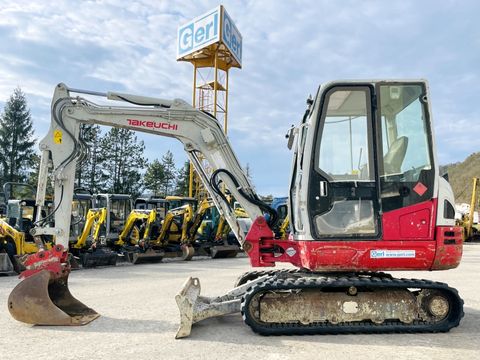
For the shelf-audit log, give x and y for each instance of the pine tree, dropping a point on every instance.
(122, 161)
(183, 179)
(248, 174)
(170, 172)
(88, 173)
(16, 138)
(155, 178)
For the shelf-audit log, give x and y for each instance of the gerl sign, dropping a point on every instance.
(212, 27)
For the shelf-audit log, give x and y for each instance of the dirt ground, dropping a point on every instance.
(140, 318)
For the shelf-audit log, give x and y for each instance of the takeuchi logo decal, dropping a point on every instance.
(152, 124)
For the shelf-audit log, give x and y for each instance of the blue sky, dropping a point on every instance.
(289, 48)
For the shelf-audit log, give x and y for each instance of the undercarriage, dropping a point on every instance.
(296, 302)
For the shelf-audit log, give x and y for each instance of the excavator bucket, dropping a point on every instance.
(6, 266)
(41, 300)
(148, 257)
(224, 251)
(43, 297)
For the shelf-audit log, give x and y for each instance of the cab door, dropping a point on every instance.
(343, 191)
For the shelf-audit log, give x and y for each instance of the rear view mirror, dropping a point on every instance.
(290, 136)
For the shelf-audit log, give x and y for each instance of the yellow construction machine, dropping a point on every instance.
(132, 240)
(15, 238)
(214, 241)
(470, 228)
(90, 247)
(96, 243)
(148, 237)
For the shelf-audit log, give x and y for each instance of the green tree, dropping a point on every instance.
(122, 161)
(248, 173)
(88, 173)
(155, 177)
(170, 172)
(16, 138)
(183, 179)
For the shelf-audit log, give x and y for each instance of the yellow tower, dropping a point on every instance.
(213, 44)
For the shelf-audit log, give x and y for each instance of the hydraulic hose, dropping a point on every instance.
(214, 182)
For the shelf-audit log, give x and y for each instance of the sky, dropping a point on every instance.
(289, 49)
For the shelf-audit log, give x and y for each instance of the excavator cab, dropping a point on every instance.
(372, 175)
(175, 201)
(159, 204)
(15, 227)
(81, 203)
(118, 208)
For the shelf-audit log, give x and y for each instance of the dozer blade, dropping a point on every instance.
(148, 257)
(42, 299)
(224, 251)
(6, 266)
(194, 308)
(99, 257)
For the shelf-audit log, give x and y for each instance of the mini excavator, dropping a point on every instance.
(365, 197)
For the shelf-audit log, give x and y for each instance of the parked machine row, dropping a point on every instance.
(107, 227)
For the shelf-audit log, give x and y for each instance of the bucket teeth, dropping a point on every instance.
(42, 299)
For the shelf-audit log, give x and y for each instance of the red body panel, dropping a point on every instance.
(410, 223)
(411, 241)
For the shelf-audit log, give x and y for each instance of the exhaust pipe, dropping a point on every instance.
(43, 297)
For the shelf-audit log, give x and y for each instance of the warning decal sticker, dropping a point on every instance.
(57, 136)
(420, 189)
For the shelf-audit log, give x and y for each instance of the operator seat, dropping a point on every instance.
(393, 159)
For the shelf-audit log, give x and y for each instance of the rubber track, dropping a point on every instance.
(255, 274)
(363, 327)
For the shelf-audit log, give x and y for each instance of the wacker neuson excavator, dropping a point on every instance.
(365, 197)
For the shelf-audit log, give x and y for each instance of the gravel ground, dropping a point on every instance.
(140, 318)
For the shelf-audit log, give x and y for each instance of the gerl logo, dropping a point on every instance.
(199, 32)
(231, 37)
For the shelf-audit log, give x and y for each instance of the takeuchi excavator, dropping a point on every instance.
(365, 197)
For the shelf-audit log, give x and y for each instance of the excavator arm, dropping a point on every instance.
(94, 220)
(44, 292)
(134, 216)
(199, 132)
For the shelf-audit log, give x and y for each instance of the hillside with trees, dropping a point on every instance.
(460, 176)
